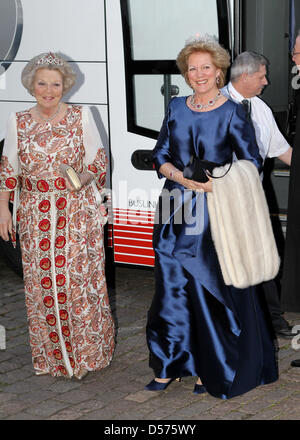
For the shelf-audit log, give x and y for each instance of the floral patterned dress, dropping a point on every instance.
(61, 237)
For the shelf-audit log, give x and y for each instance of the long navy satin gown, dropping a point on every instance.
(198, 326)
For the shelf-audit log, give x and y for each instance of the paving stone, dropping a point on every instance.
(66, 414)
(271, 413)
(255, 406)
(111, 396)
(4, 356)
(223, 408)
(235, 415)
(75, 396)
(100, 414)
(277, 394)
(140, 396)
(193, 411)
(47, 408)
(18, 388)
(120, 406)
(23, 416)
(130, 415)
(37, 396)
(117, 392)
(60, 387)
(88, 406)
(292, 375)
(13, 376)
(5, 397)
(13, 406)
(41, 382)
(99, 388)
(8, 365)
(129, 386)
(159, 414)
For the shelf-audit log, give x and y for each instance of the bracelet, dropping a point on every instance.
(7, 200)
(172, 173)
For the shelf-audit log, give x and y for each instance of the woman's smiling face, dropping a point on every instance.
(202, 72)
(48, 88)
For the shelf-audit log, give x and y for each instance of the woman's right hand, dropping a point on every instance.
(5, 221)
(193, 185)
(169, 171)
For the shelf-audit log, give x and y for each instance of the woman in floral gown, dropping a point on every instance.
(61, 229)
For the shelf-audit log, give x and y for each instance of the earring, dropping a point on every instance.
(218, 80)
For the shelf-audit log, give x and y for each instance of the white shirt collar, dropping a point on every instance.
(234, 94)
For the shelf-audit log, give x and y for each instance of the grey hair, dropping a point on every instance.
(29, 71)
(247, 62)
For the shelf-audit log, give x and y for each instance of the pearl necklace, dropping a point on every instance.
(51, 117)
(201, 106)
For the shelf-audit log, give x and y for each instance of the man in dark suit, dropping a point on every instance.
(247, 80)
(290, 297)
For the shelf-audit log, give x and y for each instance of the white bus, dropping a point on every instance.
(124, 53)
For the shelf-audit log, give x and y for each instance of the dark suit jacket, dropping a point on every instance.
(290, 294)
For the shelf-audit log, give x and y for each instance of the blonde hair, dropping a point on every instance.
(219, 55)
(44, 61)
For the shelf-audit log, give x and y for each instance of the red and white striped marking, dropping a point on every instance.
(131, 237)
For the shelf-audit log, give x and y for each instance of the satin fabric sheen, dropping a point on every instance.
(196, 324)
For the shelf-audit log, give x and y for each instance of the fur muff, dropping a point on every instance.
(240, 226)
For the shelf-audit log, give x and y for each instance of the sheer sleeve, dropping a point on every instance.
(9, 166)
(95, 160)
(243, 136)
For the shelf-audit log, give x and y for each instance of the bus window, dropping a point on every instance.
(159, 28)
(153, 33)
(150, 89)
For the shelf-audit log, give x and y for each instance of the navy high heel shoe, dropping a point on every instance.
(199, 389)
(159, 386)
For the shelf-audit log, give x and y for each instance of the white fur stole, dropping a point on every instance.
(240, 226)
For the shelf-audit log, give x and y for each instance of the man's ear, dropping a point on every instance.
(244, 77)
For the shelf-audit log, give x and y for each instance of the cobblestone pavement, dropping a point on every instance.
(116, 393)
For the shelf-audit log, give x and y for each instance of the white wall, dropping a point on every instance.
(75, 28)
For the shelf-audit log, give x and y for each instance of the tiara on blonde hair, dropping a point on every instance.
(49, 58)
(197, 38)
(51, 61)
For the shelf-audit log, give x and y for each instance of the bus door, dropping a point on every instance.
(143, 40)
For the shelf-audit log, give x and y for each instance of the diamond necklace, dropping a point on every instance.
(51, 117)
(201, 106)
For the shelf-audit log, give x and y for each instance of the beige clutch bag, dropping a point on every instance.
(72, 176)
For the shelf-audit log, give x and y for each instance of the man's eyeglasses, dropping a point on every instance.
(295, 53)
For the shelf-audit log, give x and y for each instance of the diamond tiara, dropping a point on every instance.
(198, 38)
(49, 58)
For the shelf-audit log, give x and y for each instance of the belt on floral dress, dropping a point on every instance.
(43, 185)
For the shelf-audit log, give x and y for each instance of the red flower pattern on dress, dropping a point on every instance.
(42, 186)
(11, 183)
(61, 222)
(6, 171)
(44, 206)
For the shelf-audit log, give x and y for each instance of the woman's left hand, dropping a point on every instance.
(203, 187)
(85, 178)
(193, 185)
(207, 187)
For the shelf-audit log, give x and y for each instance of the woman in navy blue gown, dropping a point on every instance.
(198, 326)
